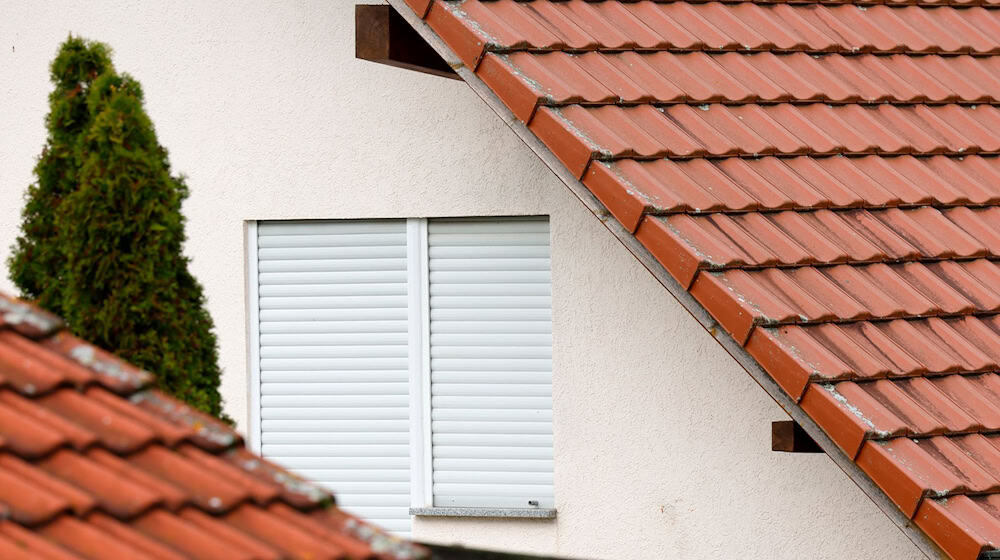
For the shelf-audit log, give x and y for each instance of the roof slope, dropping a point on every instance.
(822, 178)
(95, 465)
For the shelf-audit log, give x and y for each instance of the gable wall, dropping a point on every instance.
(662, 441)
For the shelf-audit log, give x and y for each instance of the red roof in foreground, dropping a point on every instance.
(822, 178)
(95, 465)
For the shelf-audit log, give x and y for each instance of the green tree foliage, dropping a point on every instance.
(37, 261)
(117, 262)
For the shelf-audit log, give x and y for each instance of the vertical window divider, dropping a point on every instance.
(418, 304)
(253, 326)
(425, 304)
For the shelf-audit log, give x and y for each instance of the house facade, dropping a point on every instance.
(649, 440)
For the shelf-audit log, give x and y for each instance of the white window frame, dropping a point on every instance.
(253, 338)
(418, 330)
(421, 459)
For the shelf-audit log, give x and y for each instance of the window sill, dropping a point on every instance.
(506, 513)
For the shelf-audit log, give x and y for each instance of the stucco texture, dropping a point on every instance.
(661, 439)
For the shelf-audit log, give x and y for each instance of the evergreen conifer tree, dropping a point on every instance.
(122, 280)
(36, 262)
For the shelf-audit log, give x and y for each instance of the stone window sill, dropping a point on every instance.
(506, 513)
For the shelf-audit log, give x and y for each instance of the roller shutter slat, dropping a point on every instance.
(491, 389)
(334, 240)
(279, 450)
(398, 526)
(493, 465)
(498, 440)
(374, 488)
(346, 301)
(492, 339)
(492, 415)
(387, 514)
(335, 388)
(345, 289)
(501, 317)
(361, 475)
(332, 278)
(354, 412)
(328, 364)
(477, 278)
(331, 265)
(338, 253)
(326, 426)
(491, 452)
(490, 377)
(490, 328)
(350, 376)
(475, 501)
(490, 477)
(299, 328)
(373, 500)
(489, 289)
(336, 315)
(509, 264)
(342, 228)
(491, 364)
(507, 402)
(496, 236)
(487, 228)
(487, 427)
(335, 438)
(491, 489)
(350, 401)
(538, 350)
(330, 339)
(473, 252)
(390, 350)
(368, 463)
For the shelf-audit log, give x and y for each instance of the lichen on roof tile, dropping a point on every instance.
(27, 318)
(208, 429)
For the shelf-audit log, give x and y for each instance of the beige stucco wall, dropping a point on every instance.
(662, 441)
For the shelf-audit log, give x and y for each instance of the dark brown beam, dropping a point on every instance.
(789, 437)
(382, 35)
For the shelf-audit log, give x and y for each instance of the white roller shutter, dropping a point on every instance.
(333, 359)
(491, 362)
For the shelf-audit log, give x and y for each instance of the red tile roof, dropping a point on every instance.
(822, 177)
(94, 464)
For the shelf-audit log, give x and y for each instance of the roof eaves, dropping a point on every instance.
(734, 348)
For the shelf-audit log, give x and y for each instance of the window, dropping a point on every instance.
(405, 363)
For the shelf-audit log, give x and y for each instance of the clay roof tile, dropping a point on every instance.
(824, 179)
